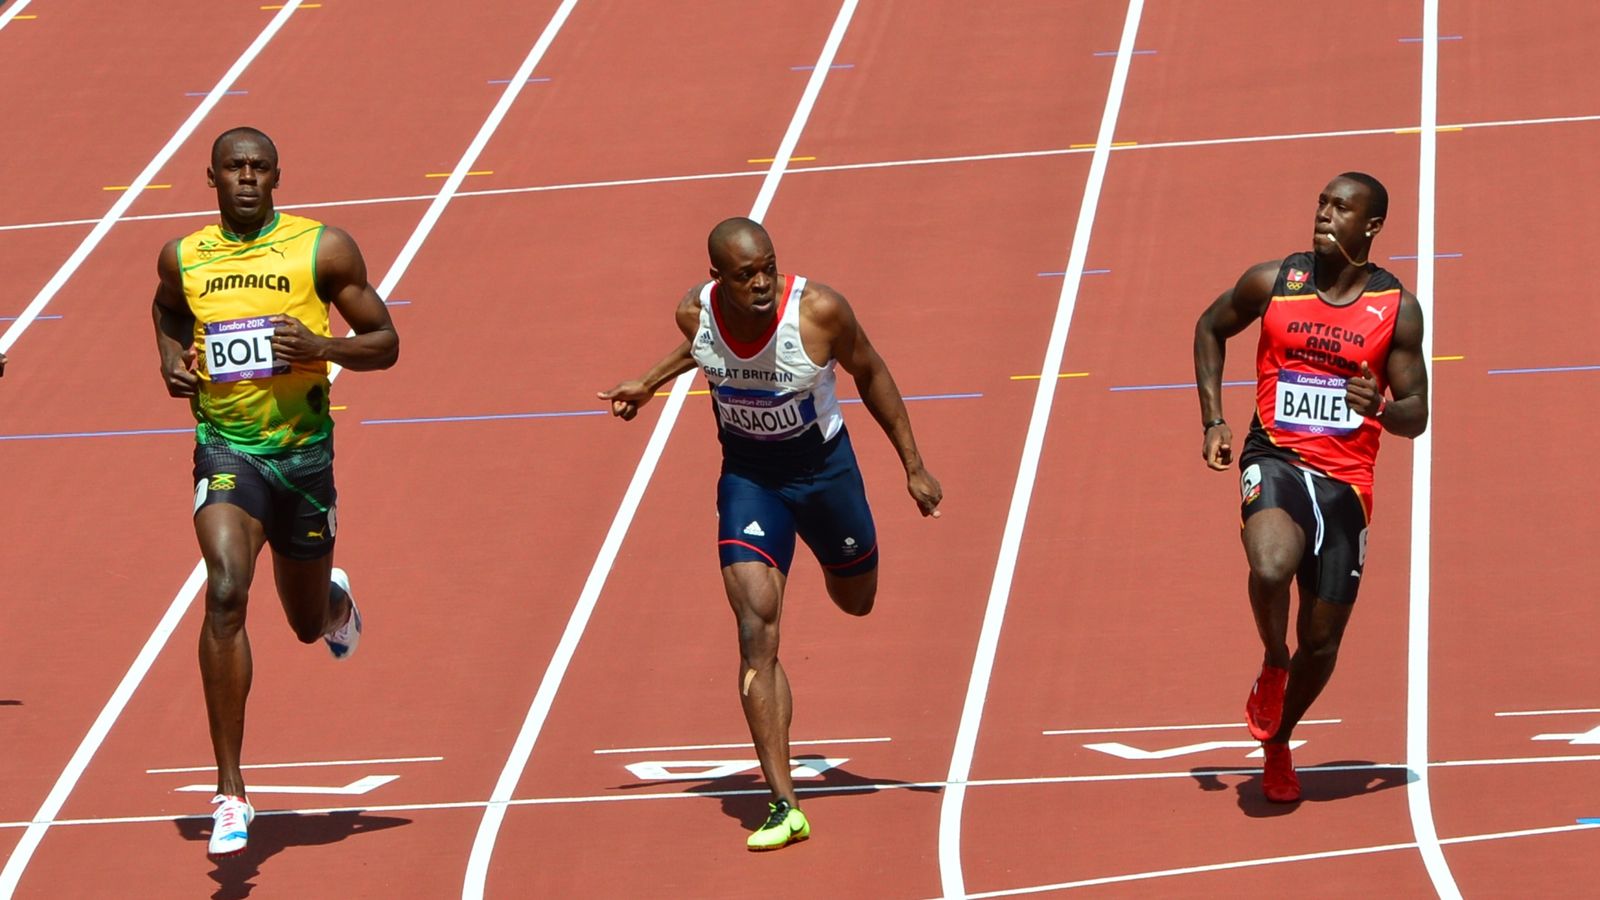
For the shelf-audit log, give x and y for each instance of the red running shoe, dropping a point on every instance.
(1278, 780)
(1263, 711)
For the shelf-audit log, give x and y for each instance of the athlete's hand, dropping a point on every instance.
(1217, 450)
(293, 342)
(178, 373)
(2, 365)
(626, 398)
(1361, 392)
(925, 490)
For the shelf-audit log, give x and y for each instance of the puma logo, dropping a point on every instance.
(1377, 311)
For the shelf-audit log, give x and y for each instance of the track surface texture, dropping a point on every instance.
(545, 703)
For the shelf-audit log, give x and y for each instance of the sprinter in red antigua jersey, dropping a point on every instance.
(1339, 363)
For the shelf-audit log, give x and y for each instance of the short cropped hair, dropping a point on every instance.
(1378, 205)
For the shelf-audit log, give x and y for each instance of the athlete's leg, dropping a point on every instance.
(312, 602)
(230, 541)
(302, 540)
(755, 591)
(834, 519)
(1319, 628)
(1274, 545)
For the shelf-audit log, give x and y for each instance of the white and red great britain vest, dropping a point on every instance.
(766, 390)
(1308, 348)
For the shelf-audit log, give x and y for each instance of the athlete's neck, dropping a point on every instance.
(748, 324)
(1338, 281)
(249, 230)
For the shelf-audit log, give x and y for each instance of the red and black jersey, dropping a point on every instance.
(1308, 348)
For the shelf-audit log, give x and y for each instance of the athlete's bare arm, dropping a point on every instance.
(1229, 314)
(342, 281)
(1407, 414)
(2, 365)
(827, 311)
(174, 326)
(627, 397)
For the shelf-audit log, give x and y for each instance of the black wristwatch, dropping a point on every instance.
(1214, 423)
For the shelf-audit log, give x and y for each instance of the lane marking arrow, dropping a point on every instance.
(713, 769)
(360, 786)
(1123, 751)
(1592, 736)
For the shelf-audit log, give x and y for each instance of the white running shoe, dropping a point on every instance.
(230, 826)
(342, 641)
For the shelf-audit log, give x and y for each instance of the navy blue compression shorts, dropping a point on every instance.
(822, 500)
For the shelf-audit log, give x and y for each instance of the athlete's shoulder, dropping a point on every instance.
(691, 299)
(819, 302)
(291, 223)
(169, 262)
(1255, 287)
(687, 313)
(1410, 313)
(1382, 280)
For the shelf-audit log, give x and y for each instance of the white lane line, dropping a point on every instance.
(804, 170)
(869, 787)
(494, 814)
(1418, 795)
(10, 12)
(820, 789)
(17, 862)
(43, 819)
(306, 765)
(1272, 860)
(1549, 712)
(1515, 761)
(126, 198)
(744, 746)
(1174, 727)
(952, 881)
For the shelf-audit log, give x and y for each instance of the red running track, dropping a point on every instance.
(470, 540)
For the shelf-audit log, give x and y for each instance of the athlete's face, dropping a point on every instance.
(244, 171)
(747, 273)
(1342, 214)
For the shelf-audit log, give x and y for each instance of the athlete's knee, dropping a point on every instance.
(758, 631)
(307, 632)
(227, 595)
(1322, 639)
(1273, 545)
(854, 595)
(1273, 562)
(758, 638)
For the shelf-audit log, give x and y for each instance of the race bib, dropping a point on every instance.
(237, 349)
(1313, 403)
(764, 415)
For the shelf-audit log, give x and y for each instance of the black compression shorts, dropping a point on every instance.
(290, 493)
(1332, 514)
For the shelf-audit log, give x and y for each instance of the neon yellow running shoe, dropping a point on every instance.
(785, 825)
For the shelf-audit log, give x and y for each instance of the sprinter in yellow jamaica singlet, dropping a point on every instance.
(242, 325)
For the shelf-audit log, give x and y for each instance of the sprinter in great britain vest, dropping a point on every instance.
(768, 394)
(246, 398)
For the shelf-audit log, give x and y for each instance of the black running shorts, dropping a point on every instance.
(1332, 514)
(290, 493)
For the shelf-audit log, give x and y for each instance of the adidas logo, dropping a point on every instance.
(754, 530)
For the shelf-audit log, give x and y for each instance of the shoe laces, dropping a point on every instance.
(779, 811)
(230, 815)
